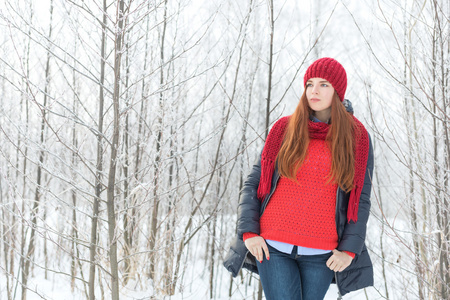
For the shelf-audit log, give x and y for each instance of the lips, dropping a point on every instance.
(314, 100)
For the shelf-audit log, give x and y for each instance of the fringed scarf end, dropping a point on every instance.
(353, 204)
(265, 180)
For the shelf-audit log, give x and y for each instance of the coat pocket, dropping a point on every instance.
(358, 275)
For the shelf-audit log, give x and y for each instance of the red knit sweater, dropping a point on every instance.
(303, 213)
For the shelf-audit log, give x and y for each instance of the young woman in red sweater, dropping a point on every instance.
(304, 207)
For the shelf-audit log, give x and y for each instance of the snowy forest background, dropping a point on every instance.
(129, 126)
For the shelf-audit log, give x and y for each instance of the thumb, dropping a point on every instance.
(335, 251)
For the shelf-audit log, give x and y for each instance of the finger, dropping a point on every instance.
(346, 266)
(266, 250)
(259, 255)
(333, 259)
(342, 268)
(329, 261)
(336, 268)
(255, 252)
(333, 266)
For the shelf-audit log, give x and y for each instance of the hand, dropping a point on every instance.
(339, 261)
(256, 245)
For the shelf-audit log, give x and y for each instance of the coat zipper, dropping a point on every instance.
(243, 261)
(339, 240)
(266, 201)
(337, 213)
(339, 291)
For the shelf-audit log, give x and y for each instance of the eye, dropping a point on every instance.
(324, 85)
(308, 84)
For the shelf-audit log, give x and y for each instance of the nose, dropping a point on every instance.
(315, 89)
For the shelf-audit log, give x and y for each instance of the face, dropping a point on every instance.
(319, 93)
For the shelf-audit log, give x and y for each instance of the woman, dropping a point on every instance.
(304, 207)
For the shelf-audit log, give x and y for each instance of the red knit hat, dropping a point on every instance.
(331, 70)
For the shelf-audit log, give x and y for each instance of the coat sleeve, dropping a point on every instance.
(354, 234)
(249, 204)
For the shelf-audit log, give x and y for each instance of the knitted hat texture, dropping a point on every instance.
(331, 70)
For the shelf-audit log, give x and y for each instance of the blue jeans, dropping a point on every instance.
(295, 277)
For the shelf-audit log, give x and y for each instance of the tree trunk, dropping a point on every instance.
(442, 205)
(74, 233)
(154, 220)
(99, 164)
(113, 160)
(269, 86)
(170, 222)
(22, 177)
(6, 241)
(142, 116)
(269, 91)
(445, 120)
(412, 137)
(436, 151)
(213, 237)
(127, 231)
(37, 195)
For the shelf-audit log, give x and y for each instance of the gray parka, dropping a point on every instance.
(351, 235)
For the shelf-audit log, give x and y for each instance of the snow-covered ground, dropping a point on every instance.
(194, 283)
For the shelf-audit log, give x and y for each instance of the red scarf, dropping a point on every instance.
(317, 130)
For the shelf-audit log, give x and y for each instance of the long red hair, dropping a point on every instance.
(340, 140)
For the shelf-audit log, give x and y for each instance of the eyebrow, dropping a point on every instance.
(309, 80)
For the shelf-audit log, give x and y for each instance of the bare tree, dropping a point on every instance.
(157, 163)
(99, 164)
(120, 18)
(38, 193)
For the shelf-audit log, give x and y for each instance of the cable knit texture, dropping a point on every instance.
(331, 70)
